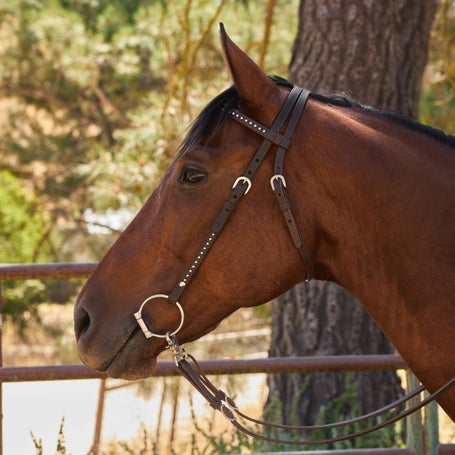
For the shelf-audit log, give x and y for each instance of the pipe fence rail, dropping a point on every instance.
(283, 365)
(210, 367)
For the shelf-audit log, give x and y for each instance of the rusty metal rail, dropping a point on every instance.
(280, 365)
(52, 270)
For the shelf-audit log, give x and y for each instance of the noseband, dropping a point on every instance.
(187, 365)
(295, 103)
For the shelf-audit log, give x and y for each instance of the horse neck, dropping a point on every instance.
(380, 195)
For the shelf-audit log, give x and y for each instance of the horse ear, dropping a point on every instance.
(253, 85)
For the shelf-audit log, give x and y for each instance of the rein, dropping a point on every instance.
(219, 400)
(187, 364)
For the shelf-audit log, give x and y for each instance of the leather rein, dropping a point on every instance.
(187, 364)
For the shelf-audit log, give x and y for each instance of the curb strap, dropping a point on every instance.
(219, 400)
(272, 136)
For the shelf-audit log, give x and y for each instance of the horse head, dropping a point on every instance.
(246, 265)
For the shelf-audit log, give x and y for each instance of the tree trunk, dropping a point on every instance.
(376, 52)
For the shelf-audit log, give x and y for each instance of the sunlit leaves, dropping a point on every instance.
(22, 223)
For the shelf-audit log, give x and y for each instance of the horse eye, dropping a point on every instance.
(192, 176)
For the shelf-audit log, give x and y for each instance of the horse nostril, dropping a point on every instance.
(81, 322)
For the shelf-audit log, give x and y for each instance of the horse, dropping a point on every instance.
(369, 203)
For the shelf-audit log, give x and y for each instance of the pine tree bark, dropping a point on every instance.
(376, 52)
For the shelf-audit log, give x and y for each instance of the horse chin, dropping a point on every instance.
(135, 361)
(132, 371)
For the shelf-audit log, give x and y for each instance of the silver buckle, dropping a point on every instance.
(178, 351)
(243, 179)
(277, 177)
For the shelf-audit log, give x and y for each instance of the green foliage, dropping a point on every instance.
(437, 104)
(20, 302)
(389, 436)
(23, 227)
(23, 238)
(99, 94)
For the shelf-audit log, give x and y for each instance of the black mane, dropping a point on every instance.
(214, 114)
(211, 117)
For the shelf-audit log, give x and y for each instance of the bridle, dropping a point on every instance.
(295, 103)
(187, 364)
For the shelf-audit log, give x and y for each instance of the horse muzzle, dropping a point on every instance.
(120, 349)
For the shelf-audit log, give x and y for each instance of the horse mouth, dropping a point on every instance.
(136, 359)
(128, 357)
(123, 367)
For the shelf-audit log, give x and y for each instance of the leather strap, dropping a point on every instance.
(220, 401)
(279, 184)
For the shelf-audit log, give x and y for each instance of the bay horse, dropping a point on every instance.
(372, 196)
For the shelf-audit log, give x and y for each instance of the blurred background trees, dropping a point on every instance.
(96, 96)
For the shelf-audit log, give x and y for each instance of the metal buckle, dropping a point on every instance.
(277, 177)
(147, 332)
(227, 411)
(243, 179)
(173, 345)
